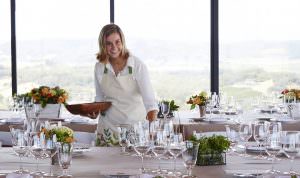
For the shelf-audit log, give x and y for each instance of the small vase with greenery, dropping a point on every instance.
(211, 150)
(173, 107)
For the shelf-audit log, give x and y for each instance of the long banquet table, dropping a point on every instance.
(101, 160)
(185, 125)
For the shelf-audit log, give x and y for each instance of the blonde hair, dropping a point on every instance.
(107, 30)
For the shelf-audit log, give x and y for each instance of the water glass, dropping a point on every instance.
(65, 151)
(189, 155)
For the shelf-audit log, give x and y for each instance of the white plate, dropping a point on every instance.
(230, 112)
(285, 120)
(255, 149)
(79, 148)
(198, 119)
(216, 119)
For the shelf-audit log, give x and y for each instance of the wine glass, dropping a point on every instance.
(20, 147)
(273, 147)
(261, 132)
(291, 143)
(189, 155)
(164, 108)
(142, 146)
(232, 133)
(123, 132)
(65, 151)
(245, 132)
(37, 150)
(50, 151)
(159, 148)
(175, 149)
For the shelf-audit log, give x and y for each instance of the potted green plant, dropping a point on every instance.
(211, 150)
(173, 107)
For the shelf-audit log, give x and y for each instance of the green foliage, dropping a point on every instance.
(213, 144)
(211, 149)
(173, 106)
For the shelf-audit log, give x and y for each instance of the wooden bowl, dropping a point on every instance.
(86, 109)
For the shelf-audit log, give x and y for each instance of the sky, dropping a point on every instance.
(186, 20)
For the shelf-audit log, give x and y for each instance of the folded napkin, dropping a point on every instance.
(120, 172)
(15, 175)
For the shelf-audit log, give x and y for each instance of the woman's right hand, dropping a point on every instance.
(151, 115)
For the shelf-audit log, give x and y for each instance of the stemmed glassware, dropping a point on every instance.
(232, 132)
(50, 150)
(245, 132)
(212, 103)
(123, 137)
(290, 141)
(20, 147)
(142, 145)
(273, 146)
(261, 132)
(159, 148)
(176, 148)
(164, 108)
(65, 151)
(189, 155)
(37, 150)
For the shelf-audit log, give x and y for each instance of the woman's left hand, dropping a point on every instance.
(151, 115)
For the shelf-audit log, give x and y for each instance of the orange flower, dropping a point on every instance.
(45, 91)
(61, 99)
(69, 139)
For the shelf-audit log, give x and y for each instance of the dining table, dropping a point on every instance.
(101, 162)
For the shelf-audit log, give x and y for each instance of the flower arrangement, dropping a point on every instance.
(291, 93)
(199, 100)
(45, 95)
(63, 134)
(211, 149)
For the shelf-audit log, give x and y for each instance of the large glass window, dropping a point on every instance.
(259, 47)
(57, 42)
(172, 38)
(5, 54)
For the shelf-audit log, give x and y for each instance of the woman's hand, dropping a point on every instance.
(151, 115)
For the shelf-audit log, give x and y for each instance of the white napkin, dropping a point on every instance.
(15, 175)
(120, 172)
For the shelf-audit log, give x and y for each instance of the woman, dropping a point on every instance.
(124, 80)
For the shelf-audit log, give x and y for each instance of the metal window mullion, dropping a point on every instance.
(214, 47)
(112, 11)
(13, 47)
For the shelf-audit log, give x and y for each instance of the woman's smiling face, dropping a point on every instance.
(113, 45)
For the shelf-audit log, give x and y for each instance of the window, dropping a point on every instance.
(259, 47)
(172, 38)
(5, 54)
(57, 42)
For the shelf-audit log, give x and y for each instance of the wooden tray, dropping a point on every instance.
(88, 108)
